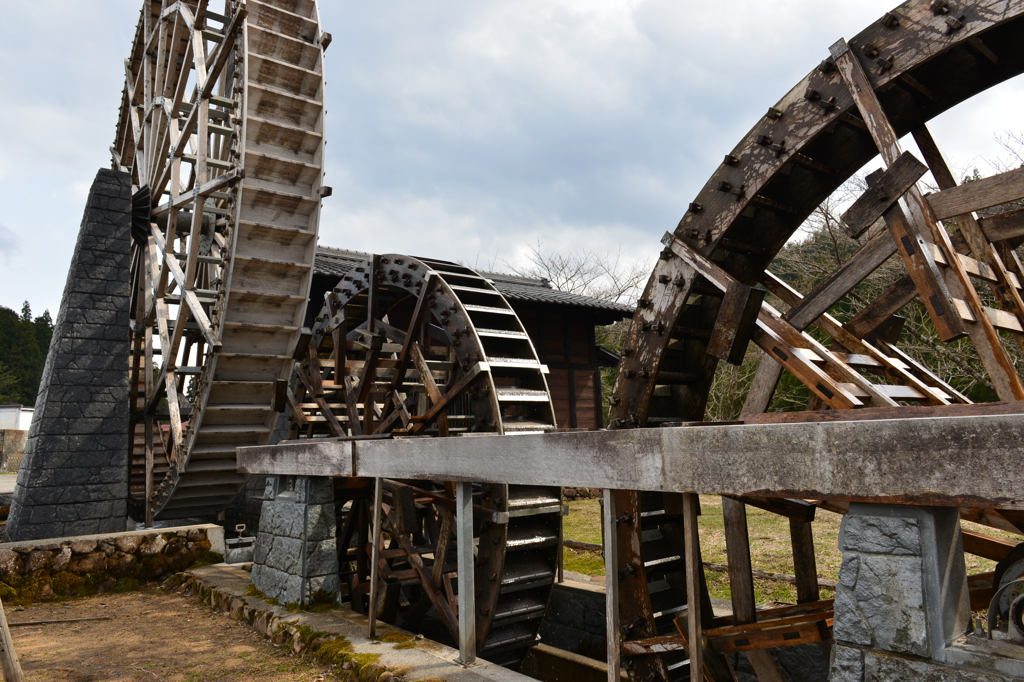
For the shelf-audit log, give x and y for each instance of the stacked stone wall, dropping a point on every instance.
(79, 566)
(73, 478)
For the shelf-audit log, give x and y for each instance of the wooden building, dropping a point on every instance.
(561, 326)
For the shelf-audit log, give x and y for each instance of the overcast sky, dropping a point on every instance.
(460, 130)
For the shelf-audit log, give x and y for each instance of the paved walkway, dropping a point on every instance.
(427, 660)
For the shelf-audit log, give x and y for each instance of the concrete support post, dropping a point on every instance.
(467, 588)
(611, 581)
(902, 594)
(295, 559)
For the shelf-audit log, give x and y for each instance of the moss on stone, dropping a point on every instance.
(126, 585)
(67, 583)
(336, 652)
(152, 566)
(396, 636)
(206, 558)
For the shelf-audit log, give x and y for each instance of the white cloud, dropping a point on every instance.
(460, 130)
(8, 241)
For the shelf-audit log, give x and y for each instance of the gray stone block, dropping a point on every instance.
(880, 667)
(314, 489)
(321, 557)
(295, 555)
(850, 624)
(847, 664)
(285, 555)
(328, 586)
(882, 535)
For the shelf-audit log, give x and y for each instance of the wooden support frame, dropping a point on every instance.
(375, 560)
(919, 225)
(467, 591)
(613, 630)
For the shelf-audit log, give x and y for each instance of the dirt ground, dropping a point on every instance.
(152, 636)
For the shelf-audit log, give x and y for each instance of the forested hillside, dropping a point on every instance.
(24, 341)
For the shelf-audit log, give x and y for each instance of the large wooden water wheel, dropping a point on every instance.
(704, 303)
(408, 347)
(221, 128)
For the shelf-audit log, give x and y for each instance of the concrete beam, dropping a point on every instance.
(947, 461)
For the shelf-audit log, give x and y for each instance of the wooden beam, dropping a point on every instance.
(848, 275)
(880, 311)
(691, 550)
(919, 225)
(611, 572)
(792, 348)
(456, 390)
(737, 317)
(904, 370)
(979, 194)
(466, 635)
(1005, 226)
(964, 461)
(988, 265)
(885, 191)
(986, 546)
(909, 230)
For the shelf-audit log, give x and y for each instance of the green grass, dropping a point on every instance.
(770, 548)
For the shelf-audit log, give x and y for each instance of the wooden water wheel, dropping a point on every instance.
(705, 302)
(408, 347)
(222, 130)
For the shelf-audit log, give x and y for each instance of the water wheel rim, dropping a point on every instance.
(258, 156)
(751, 206)
(517, 556)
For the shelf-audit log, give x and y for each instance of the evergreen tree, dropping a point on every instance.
(20, 354)
(8, 386)
(44, 332)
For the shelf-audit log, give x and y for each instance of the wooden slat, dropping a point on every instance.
(1005, 226)
(977, 195)
(885, 190)
(737, 316)
(919, 225)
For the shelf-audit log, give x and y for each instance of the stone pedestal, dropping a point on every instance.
(295, 560)
(73, 478)
(902, 597)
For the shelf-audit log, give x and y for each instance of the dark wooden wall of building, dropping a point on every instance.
(564, 339)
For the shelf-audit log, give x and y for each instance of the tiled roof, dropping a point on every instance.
(338, 262)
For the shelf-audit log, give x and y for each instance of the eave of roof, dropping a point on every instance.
(338, 262)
